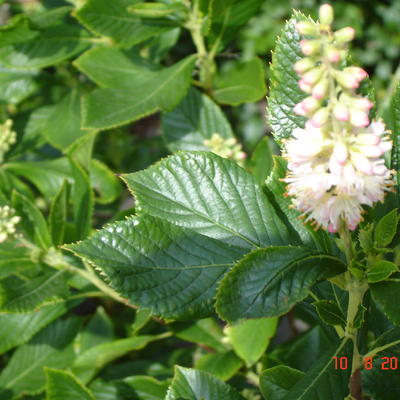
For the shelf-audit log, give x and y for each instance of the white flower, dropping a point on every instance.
(8, 220)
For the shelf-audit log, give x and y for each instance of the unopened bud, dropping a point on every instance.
(361, 163)
(344, 35)
(332, 54)
(305, 87)
(320, 118)
(310, 47)
(310, 104)
(357, 72)
(363, 104)
(341, 112)
(340, 152)
(304, 65)
(299, 110)
(368, 139)
(359, 118)
(312, 77)
(320, 90)
(370, 151)
(307, 28)
(346, 79)
(325, 14)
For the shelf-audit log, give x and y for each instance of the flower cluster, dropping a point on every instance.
(227, 148)
(335, 163)
(8, 220)
(7, 138)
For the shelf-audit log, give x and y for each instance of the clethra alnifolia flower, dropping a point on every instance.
(335, 164)
(227, 148)
(7, 138)
(8, 221)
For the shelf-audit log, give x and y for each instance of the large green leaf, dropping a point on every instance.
(387, 296)
(323, 381)
(19, 296)
(276, 188)
(49, 47)
(269, 282)
(223, 365)
(51, 347)
(63, 125)
(131, 89)
(250, 338)
(24, 326)
(112, 19)
(160, 266)
(194, 120)
(244, 83)
(190, 384)
(285, 92)
(211, 195)
(63, 385)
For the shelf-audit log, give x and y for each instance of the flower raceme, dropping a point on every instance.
(335, 164)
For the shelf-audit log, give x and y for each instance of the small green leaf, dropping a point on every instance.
(365, 236)
(211, 195)
(112, 19)
(277, 381)
(330, 312)
(269, 282)
(387, 296)
(194, 120)
(168, 259)
(386, 229)
(51, 347)
(146, 387)
(15, 259)
(17, 296)
(285, 92)
(250, 338)
(223, 365)
(142, 317)
(131, 89)
(244, 83)
(191, 384)
(63, 385)
(381, 270)
(261, 161)
(58, 215)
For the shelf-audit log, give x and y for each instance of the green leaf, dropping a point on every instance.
(194, 120)
(203, 331)
(395, 156)
(146, 387)
(319, 240)
(16, 86)
(155, 10)
(51, 347)
(17, 29)
(82, 196)
(49, 17)
(17, 296)
(100, 355)
(63, 385)
(386, 229)
(24, 326)
(365, 237)
(285, 92)
(160, 266)
(387, 295)
(223, 365)
(244, 83)
(261, 161)
(50, 47)
(15, 259)
(381, 270)
(32, 220)
(250, 338)
(142, 317)
(269, 282)
(211, 195)
(132, 89)
(277, 381)
(190, 384)
(58, 215)
(112, 19)
(63, 125)
(330, 312)
(323, 381)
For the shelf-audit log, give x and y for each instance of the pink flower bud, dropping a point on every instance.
(358, 118)
(307, 28)
(310, 47)
(379, 169)
(385, 146)
(320, 90)
(334, 167)
(361, 163)
(332, 228)
(340, 152)
(325, 14)
(346, 79)
(320, 118)
(332, 55)
(368, 139)
(304, 65)
(357, 72)
(299, 110)
(341, 112)
(362, 103)
(310, 104)
(311, 77)
(345, 35)
(370, 151)
(305, 87)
